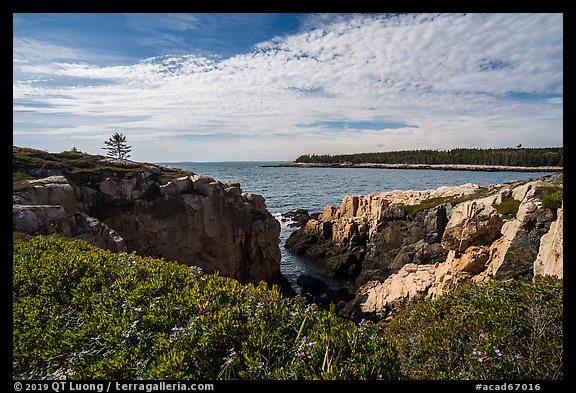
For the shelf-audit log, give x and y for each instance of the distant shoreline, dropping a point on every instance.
(445, 167)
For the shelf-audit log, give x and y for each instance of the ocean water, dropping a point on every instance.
(288, 189)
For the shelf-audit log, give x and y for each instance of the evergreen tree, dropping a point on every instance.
(117, 147)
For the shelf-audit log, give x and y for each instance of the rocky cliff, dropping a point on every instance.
(405, 245)
(150, 209)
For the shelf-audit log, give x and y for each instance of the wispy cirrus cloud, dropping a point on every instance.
(432, 81)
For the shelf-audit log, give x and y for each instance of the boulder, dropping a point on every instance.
(32, 218)
(311, 284)
(296, 218)
(383, 300)
(472, 261)
(550, 258)
(472, 223)
(51, 190)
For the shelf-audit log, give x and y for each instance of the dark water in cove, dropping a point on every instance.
(288, 189)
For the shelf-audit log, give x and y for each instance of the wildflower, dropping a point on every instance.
(292, 313)
(138, 309)
(259, 305)
(480, 360)
(175, 330)
(195, 270)
(518, 356)
(498, 352)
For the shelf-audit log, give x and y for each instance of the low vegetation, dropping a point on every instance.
(73, 162)
(508, 206)
(553, 200)
(546, 156)
(496, 330)
(80, 312)
(436, 201)
(551, 196)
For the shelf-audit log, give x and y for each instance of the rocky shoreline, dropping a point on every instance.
(153, 210)
(393, 247)
(401, 246)
(445, 167)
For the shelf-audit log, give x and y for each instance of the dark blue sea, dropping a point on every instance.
(286, 189)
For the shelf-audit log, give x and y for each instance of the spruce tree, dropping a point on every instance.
(117, 147)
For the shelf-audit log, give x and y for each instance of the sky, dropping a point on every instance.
(270, 87)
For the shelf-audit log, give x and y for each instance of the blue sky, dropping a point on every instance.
(226, 87)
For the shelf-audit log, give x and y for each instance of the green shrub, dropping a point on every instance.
(552, 200)
(508, 206)
(495, 330)
(80, 312)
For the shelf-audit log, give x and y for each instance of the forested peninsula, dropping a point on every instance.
(504, 157)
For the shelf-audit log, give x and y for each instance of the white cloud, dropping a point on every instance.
(32, 51)
(451, 75)
(153, 21)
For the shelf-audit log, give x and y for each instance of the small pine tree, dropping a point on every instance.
(117, 147)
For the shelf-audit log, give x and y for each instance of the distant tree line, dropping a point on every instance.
(546, 156)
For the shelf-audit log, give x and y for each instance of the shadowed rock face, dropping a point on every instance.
(192, 219)
(401, 254)
(200, 221)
